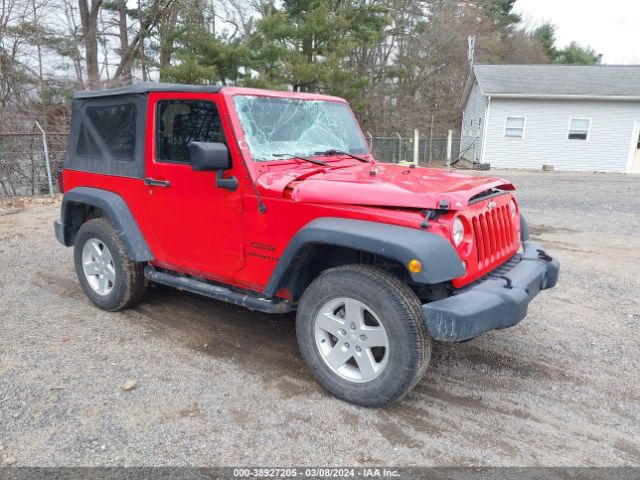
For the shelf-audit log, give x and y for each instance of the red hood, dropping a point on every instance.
(391, 186)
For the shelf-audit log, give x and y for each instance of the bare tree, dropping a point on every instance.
(124, 38)
(89, 10)
(143, 53)
(104, 44)
(70, 44)
(166, 25)
(156, 11)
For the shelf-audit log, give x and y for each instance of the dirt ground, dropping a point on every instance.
(219, 385)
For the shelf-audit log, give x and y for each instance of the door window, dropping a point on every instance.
(180, 122)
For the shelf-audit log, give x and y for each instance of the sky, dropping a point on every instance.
(611, 28)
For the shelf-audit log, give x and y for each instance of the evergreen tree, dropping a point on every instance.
(306, 43)
(501, 12)
(546, 35)
(576, 54)
(199, 55)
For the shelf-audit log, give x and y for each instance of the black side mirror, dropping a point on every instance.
(209, 156)
(213, 157)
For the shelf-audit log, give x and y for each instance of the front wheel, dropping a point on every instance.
(362, 333)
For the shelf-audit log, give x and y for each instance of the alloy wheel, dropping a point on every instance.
(98, 266)
(351, 340)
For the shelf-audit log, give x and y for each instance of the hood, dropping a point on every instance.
(388, 185)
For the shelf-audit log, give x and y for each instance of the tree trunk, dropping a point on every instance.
(75, 54)
(124, 38)
(89, 19)
(156, 11)
(143, 54)
(38, 49)
(105, 52)
(165, 29)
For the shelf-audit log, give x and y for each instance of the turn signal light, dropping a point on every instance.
(415, 266)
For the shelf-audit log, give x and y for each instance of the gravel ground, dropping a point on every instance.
(219, 385)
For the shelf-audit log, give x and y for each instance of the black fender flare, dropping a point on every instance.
(114, 207)
(402, 244)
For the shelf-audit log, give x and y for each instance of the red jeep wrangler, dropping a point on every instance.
(272, 200)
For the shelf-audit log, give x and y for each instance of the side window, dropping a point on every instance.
(579, 128)
(116, 127)
(180, 122)
(514, 127)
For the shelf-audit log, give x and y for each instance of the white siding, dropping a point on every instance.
(546, 142)
(474, 110)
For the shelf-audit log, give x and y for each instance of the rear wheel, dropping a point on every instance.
(110, 279)
(362, 333)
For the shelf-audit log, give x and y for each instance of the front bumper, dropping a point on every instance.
(497, 301)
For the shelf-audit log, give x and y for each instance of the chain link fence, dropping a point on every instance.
(27, 155)
(431, 152)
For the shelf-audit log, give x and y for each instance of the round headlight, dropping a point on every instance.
(512, 206)
(458, 232)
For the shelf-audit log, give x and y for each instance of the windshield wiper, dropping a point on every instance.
(335, 151)
(310, 160)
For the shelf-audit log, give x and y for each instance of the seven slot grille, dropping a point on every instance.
(494, 235)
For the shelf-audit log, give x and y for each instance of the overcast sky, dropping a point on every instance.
(611, 28)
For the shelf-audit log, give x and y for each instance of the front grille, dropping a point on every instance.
(494, 235)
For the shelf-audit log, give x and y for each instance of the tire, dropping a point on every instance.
(110, 279)
(373, 376)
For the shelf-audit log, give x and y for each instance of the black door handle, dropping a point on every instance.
(152, 182)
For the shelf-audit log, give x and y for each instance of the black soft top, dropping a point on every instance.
(146, 87)
(108, 128)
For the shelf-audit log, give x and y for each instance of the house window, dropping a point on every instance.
(514, 127)
(579, 128)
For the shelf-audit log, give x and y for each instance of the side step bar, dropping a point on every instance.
(218, 292)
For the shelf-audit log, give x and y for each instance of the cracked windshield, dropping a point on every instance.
(277, 128)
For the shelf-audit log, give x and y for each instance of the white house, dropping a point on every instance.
(572, 117)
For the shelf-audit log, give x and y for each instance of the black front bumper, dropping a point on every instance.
(498, 301)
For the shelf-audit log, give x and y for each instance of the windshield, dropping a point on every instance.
(285, 126)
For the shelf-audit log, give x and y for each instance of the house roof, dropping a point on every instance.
(557, 81)
(146, 87)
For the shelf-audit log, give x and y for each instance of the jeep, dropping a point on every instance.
(273, 201)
